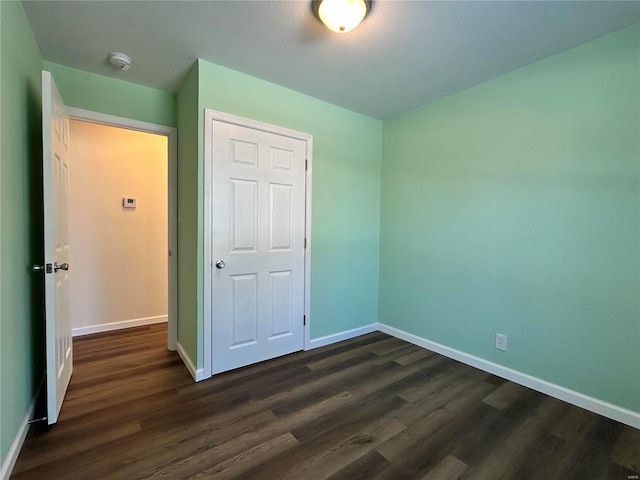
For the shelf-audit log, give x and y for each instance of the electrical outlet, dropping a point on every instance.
(501, 341)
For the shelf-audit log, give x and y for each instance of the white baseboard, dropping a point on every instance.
(338, 337)
(12, 455)
(620, 414)
(197, 374)
(106, 327)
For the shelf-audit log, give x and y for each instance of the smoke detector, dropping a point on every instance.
(120, 60)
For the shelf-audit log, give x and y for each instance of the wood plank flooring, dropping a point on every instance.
(373, 407)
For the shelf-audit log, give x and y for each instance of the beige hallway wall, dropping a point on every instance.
(118, 255)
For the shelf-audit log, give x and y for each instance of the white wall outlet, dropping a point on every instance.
(501, 341)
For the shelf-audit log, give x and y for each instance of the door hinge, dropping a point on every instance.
(36, 420)
(304, 319)
(305, 242)
(306, 164)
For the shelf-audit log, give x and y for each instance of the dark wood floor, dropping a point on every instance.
(373, 407)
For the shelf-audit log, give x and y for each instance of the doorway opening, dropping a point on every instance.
(122, 224)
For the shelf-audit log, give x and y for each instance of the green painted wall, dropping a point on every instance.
(113, 96)
(188, 148)
(21, 318)
(346, 194)
(513, 207)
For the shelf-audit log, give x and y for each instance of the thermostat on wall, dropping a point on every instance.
(128, 202)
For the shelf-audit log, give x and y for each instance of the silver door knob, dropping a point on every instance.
(61, 266)
(220, 264)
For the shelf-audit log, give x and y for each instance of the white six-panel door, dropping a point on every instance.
(258, 245)
(59, 351)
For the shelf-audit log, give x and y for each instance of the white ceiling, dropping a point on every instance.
(405, 53)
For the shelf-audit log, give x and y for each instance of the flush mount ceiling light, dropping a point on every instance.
(341, 16)
(120, 60)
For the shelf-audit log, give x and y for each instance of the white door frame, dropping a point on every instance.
(209, 117)
(172, 142)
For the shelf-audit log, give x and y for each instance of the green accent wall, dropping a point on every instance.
(113, 96)
(21, 316)
(188, 186)
(513, 207)
(346, 195)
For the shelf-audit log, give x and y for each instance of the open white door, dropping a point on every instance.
(55, 165)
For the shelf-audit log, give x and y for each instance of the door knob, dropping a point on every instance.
(220, 264)
(61, 266)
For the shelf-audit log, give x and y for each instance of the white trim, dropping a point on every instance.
(307, 253)
(172, 145)
(107, 327)
(12, 455)
(113, 120)
(208, 247)
(592, 404)
(254, 124)
(339, 337)
(197, 374)
(209, 117)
